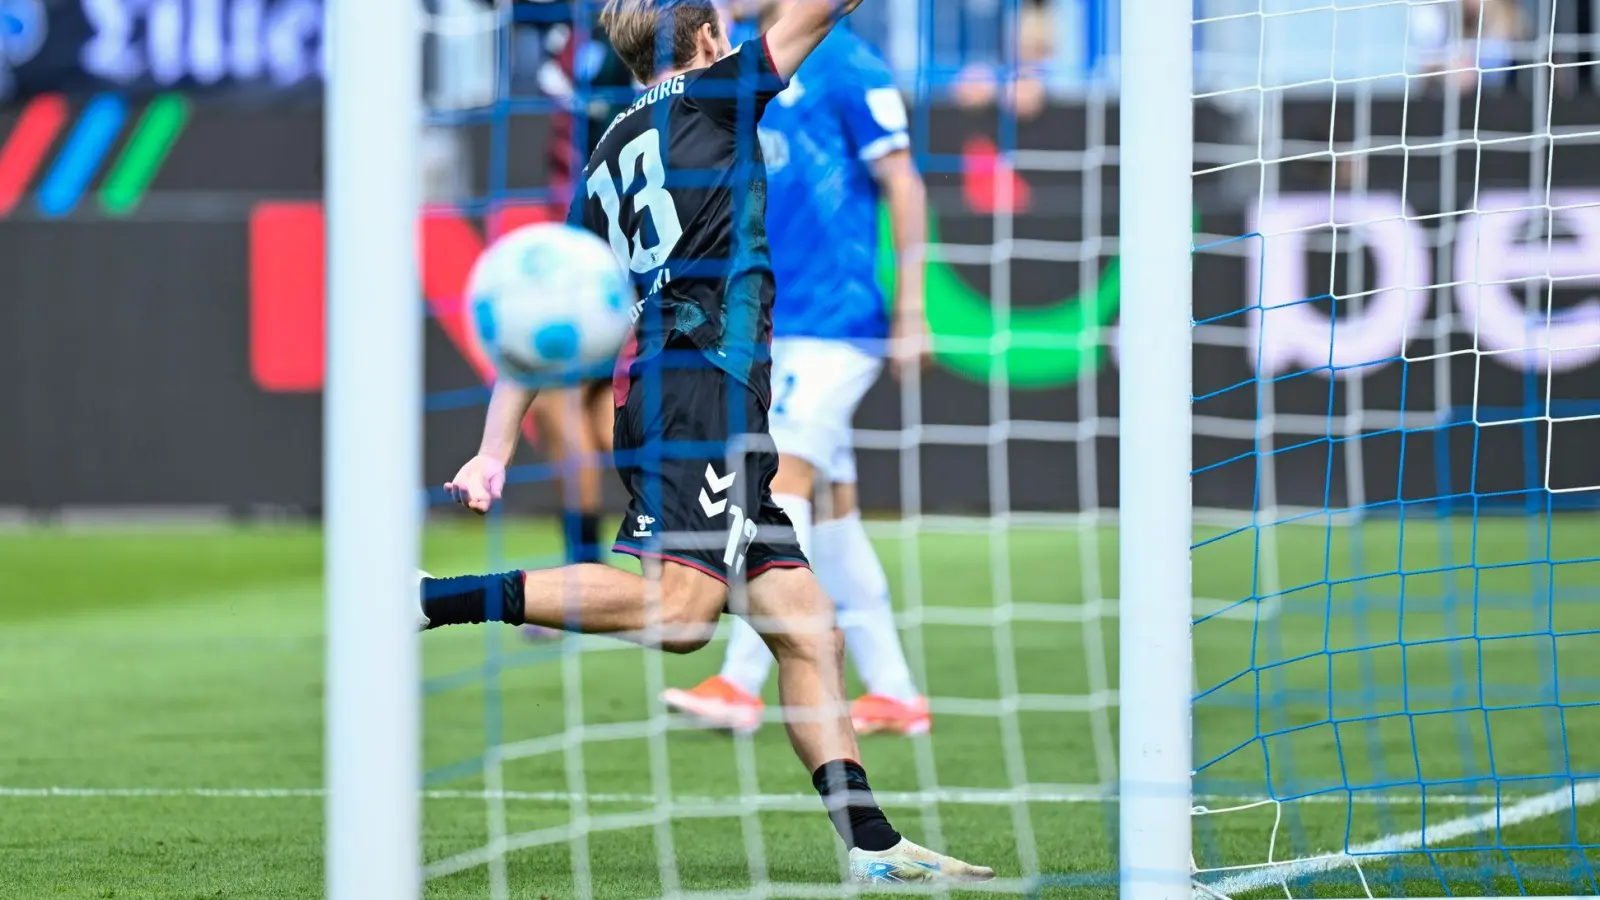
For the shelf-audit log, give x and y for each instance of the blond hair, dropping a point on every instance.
(640, 29)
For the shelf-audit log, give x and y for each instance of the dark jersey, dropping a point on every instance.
(677, 185)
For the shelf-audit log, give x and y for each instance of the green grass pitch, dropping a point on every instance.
(173, 682)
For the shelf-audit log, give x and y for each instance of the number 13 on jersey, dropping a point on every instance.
(643, 153)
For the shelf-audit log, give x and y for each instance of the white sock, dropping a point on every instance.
(799, 511)
(748, 661)
(849, 570)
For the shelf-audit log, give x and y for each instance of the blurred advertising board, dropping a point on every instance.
(242, 48)
(162, 269)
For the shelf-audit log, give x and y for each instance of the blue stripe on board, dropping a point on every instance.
(80, 158)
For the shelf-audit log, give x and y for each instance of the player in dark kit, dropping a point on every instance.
(677, 186)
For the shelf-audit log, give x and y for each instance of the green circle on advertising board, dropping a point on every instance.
(1050, 345)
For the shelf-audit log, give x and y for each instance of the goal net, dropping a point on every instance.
(552, 767)
(1397, 694)
(1397, 649)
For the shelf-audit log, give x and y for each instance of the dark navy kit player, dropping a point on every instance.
(693, 233)
(677, 185)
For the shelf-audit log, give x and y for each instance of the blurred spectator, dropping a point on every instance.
(978, 83)
(1462, 37)
(581, 70)
(586, 75)
(460, 61)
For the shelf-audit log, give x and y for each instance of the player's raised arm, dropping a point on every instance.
(800, 29)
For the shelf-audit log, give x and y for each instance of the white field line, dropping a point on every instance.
(1272, 874)
(968, 796)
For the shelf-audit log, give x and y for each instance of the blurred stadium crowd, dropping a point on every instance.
(955, 49)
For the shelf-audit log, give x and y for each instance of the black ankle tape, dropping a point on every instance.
(471, 599)
(855, 814)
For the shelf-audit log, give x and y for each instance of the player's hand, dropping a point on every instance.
(910, 345)
(479, 483)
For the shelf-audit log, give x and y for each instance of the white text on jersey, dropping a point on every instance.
(671, 87)
(662, 278)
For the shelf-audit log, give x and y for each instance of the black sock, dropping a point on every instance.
(582, 533)
(470, 599)
(844, 789)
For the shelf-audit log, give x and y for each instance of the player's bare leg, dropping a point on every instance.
(849, 572)
(569, 442)
(796, 616)
(731, 699)
(796, 619)
(678, 615)
(598, 415)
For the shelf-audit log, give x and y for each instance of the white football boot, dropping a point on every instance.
(906, 862)
(422, 614)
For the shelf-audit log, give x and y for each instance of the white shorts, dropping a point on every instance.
(816, 386)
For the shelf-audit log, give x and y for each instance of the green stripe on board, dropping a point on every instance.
(152, 139)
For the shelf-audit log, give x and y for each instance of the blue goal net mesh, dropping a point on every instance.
(1397, 679)
(1397, 689)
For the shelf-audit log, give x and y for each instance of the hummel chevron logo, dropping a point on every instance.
(718, 486)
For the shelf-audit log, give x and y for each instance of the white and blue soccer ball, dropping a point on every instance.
(549, 300)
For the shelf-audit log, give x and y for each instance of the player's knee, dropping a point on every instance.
(817, 642)
(690, 606)
(686, 637)
(684, 644)
(807, 627)
(685, 627)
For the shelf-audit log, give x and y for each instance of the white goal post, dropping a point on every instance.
(1156, 668)
(372, 456)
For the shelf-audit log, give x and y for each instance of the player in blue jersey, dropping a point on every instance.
(836, 144)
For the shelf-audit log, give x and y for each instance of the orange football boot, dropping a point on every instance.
(717, 703)
(875, 713)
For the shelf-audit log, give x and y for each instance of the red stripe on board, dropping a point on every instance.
(450, 246)
(287, 288)
(25, 149)
(984, 171)
(286, 296)
(515, 215)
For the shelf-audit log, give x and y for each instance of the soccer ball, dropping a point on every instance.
(547, 301)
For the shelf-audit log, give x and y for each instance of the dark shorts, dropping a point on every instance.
(693, 450)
